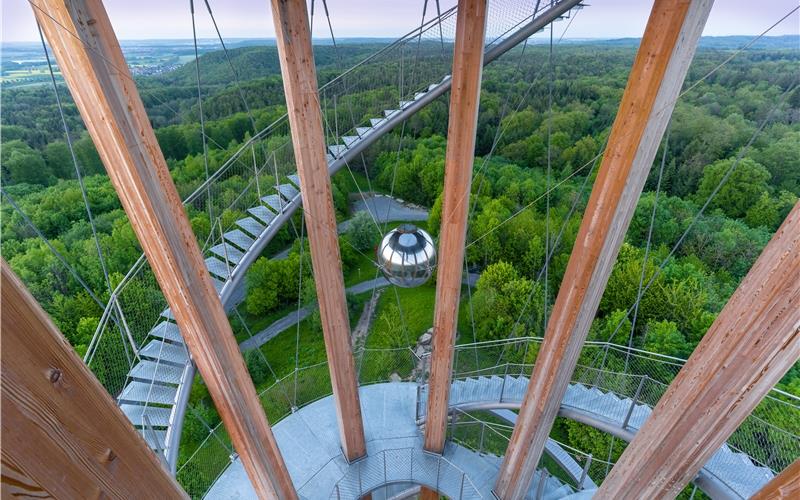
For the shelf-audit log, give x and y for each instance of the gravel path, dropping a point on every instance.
(296, 316)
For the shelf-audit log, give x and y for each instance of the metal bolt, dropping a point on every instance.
(55, 375)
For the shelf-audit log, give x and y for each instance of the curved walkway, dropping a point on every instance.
(727, 474)
(309, 442)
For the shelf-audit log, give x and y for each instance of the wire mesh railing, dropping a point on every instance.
(769, 437)
(571, 467)
(405, 465)
(202, 463)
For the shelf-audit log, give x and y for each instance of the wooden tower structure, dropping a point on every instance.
(50, 398)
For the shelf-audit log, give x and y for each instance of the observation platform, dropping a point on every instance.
(309, 442)
(393, 413)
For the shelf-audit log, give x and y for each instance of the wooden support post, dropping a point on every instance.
(749, 347)
(305, 119)
(94, 68)
(662, 60)
(784, 485)
(63, 435)
(464, 99)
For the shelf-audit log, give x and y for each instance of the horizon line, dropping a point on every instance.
(388, 37)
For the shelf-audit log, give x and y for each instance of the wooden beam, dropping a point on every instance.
(63, 435)
(305, 119)
(749, 347)
(94, 68)
(662, 60)
(784, 485)
(464, 100)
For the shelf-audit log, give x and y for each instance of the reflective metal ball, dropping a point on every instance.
(407, 256)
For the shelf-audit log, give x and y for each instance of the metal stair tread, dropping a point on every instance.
(159, 417)
(288, 192)
(227, 252)
(337, 150)
(165, 352)
(362, 131)
(274, 202)
(261, 213)
(217, 267)
(349, 140)
(294, 179)
(218, 284)
(142, 393)
(147, 371)
(237, 238)
(155, 438)
(168, 331)
(167, 314)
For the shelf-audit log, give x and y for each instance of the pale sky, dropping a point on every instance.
(142, 19)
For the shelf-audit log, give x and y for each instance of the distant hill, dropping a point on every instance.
(717, 42)
(261, 61)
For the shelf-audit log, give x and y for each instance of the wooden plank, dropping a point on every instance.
(784, 485)
(63, 434)
(749, 347)
(662, 60)
(305, 119)
(464, 99)
(94, 68)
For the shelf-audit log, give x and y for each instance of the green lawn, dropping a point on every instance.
(362, 269)
(357, 182)
(415, 311)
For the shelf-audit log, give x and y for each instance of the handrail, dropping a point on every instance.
(376, 465)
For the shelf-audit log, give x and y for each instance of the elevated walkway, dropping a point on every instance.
(728, 474)
(309, 442)
(393, 413)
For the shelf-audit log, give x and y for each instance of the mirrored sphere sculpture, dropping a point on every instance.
(407, 256)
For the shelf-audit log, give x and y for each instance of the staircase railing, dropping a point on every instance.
(483, 437)
(769, 437)
(404, 465)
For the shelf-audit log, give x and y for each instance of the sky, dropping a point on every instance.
(160, 19)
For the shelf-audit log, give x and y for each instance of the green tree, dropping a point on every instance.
(506, 305)
(259, 371)
(782, 159)
(21, 163)
(743, 188)
(362, 231)
(59, 160)
(663, 337)
(764, 212)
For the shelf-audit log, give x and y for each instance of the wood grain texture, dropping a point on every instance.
(662, 60)
(63, 434)
(428, 494)
(91, 61)
(749, 347)
(784, 485)
(305, 119)
(464, 99)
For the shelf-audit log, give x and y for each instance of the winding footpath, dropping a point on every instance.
(298, 315)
